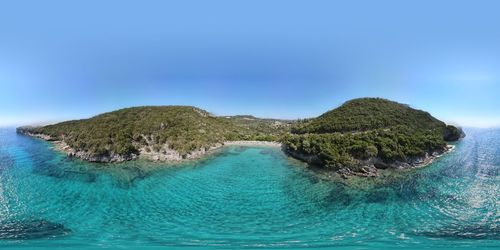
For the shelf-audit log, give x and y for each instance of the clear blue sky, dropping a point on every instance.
(286, 59)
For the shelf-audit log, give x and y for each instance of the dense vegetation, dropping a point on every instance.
(337, 150)
(183, 128)
(366, 114)
(349, 136)
(258, 129)
(368, 128)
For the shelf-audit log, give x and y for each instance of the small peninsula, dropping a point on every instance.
(367, 134)
(357, 138)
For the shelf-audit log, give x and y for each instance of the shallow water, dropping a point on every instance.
(246, 197)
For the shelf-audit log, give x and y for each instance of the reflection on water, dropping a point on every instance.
(246, 197)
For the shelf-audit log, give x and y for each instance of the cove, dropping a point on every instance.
(246, 197)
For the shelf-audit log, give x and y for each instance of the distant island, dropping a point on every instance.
(357, 138)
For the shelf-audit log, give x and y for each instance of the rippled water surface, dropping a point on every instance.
(246, 197)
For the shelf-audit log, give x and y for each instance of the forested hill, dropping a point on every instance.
(365, 134)
(183, 129)
(366, 114)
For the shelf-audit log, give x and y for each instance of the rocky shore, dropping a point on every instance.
(65, 148)
(370, 167)
(164, 154)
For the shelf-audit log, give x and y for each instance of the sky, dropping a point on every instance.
(64, 60)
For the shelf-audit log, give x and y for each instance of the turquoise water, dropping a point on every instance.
(245, 197)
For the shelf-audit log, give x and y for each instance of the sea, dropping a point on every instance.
(246, 198)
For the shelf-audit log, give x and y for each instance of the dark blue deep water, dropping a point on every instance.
(246, 197)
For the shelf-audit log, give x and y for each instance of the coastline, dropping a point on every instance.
(172, 156)
(166, 155)
(368, 168)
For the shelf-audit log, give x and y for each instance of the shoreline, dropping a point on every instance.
(428, 160)
(253, 143)
(372, 166)
(171, 156)
(167, 156)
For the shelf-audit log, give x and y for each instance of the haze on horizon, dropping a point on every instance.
(283, 59)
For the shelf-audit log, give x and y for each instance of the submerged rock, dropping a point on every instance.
(31, 229)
